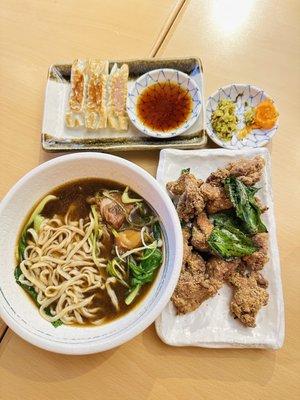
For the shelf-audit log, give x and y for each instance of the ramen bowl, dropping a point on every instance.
(163, 78)
(16, 308)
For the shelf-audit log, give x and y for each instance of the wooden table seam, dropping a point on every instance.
(171, 21)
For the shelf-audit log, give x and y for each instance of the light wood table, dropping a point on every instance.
(36, 34)
(254, 41)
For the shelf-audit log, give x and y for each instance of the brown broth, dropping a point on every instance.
(164, 106)
(74, 194)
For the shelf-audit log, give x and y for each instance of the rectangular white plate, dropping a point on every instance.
(211, 325)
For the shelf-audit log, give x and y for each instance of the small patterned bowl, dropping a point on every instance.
(164, 75)
(240, 94)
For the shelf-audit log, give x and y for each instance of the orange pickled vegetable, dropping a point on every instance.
(265, 115)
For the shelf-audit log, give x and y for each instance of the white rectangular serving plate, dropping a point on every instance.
(57, 137)
(212, 325)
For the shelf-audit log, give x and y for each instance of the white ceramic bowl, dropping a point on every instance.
(20, 313)
(164, 75)
(239, 93)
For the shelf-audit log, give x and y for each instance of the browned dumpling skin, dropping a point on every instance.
(117, 95)
(96, 110)
(75, 114)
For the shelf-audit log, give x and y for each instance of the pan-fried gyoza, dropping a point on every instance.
(97, 98)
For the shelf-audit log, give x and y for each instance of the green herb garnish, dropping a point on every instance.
(245, 204)
(229, 242)
(185, 171)
(156, 231)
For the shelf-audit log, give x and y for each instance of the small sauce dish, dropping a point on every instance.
(245, 99)
(164, 103)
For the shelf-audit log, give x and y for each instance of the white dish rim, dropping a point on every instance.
(223, 143)
(178, 131)
(87, 347)
(269, 344)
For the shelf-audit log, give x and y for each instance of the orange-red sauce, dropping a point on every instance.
(164, 106)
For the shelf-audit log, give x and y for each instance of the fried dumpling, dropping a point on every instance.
(95, 110)
(117, 95)
(75, 114)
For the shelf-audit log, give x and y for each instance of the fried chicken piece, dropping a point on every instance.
(249, 295)
(186, 248)
(220, 269)
(179, 187)
(248, 171)
(201, 232)
(199, 280)
(220, 203)
(258, 259)
(217, 177)
(216, 198)
(190, 202)
(209, 192)
(192, 287)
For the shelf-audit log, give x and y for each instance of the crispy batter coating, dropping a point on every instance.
(220, 203)
(215, 197)
(209, 192)
(220, 269)
(249, 295)
(199, 280)
(190, 202)
(248, 171)
(192, 287)
(257, 260)
(186, 248)
(179, 186)
(201, 231)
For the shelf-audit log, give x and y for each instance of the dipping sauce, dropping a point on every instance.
(164, 106)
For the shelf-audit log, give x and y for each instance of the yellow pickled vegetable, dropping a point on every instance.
(224, 120)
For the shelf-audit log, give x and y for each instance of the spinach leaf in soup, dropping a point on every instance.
(143, 272)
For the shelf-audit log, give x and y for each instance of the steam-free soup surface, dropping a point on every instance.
(164, 106)
(119, 251)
